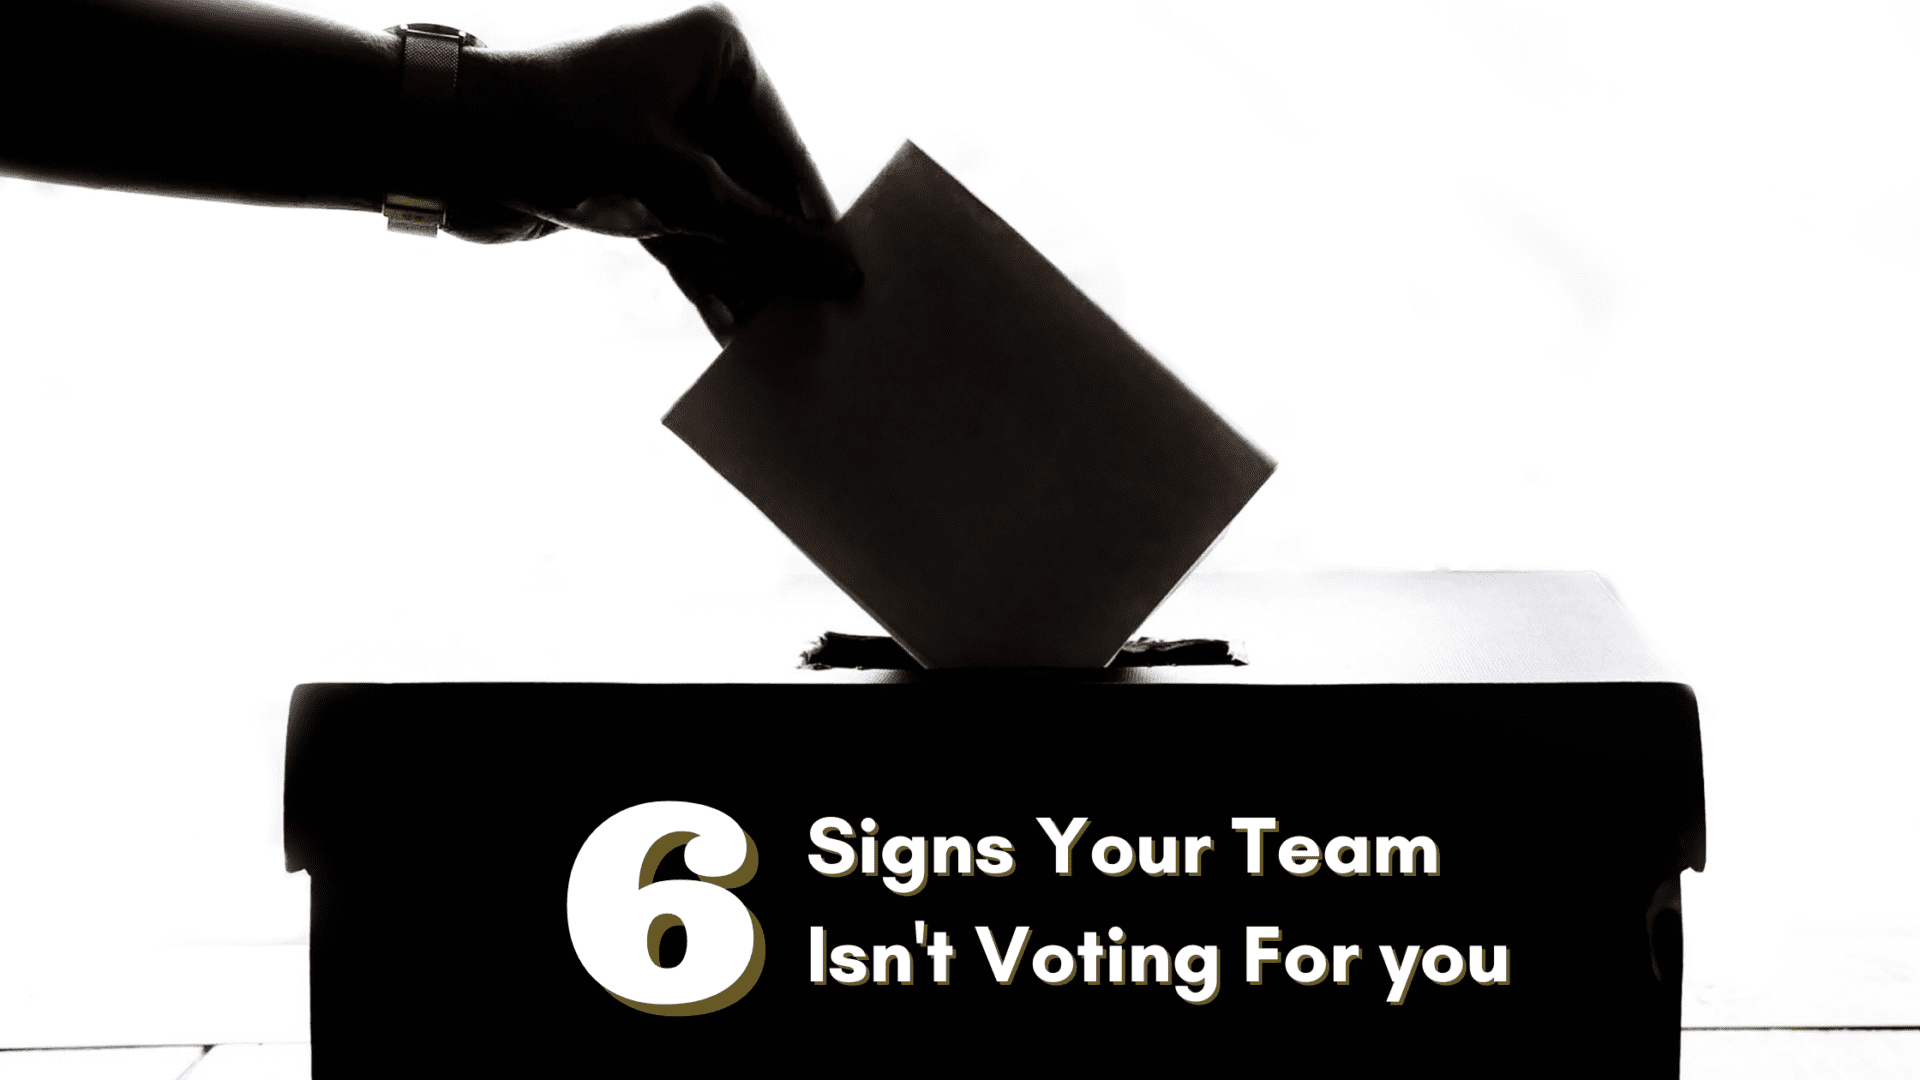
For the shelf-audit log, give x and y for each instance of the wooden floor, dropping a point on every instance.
(225, 1061)
(212, 1012)
(1775, 1054)
(208, 1013)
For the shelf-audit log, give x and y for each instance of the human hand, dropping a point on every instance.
(668, 133)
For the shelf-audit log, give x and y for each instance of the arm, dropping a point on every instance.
(200, 98)
(668, 133)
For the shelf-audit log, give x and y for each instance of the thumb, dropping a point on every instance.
(608, 215)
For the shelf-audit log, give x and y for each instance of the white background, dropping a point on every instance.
(1623, 287)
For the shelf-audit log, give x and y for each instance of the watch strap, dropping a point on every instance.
(429, 76)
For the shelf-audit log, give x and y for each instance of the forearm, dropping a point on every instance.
(227, 100)
(667, 132)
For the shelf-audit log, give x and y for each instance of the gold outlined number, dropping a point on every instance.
(616, 911)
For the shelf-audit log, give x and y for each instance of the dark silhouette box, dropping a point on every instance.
(1536, 742)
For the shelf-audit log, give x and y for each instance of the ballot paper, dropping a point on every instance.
(970, 447)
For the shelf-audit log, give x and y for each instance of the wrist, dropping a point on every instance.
(443, 75)
(502, 127)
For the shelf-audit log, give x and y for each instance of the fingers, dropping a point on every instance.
(739, 188)
(697, 195)
(483, 221)
(754, 140)
(698, 267)
(725, 245)
(609, 215)
(678, 139)
(732, 113)
(730, 284)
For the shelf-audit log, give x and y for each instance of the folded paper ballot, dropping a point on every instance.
(970, 447)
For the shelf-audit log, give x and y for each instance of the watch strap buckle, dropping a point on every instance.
(416, 215)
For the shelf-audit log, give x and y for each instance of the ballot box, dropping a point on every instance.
(1434, 821)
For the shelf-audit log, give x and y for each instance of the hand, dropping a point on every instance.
(669, 133)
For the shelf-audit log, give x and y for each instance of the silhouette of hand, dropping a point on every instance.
(668, 133)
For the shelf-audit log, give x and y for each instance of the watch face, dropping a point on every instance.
(447, 31)
(437, 30)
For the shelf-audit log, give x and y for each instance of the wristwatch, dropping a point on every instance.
(429, 70)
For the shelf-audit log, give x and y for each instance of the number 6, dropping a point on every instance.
(616, 912)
